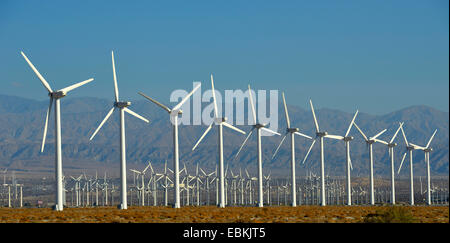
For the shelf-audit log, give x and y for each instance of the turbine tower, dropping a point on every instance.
(320, 135)
(55, 97)
(259, 127)
(220, 122)
(391, 146)
(123, 107)
(370, 141)
(174, 112)
(292, 131)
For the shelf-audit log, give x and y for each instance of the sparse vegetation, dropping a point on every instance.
(212, 214)
(393, 214)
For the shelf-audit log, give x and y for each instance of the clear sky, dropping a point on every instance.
(377, 56)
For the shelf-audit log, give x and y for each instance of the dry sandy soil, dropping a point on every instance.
(212, 214)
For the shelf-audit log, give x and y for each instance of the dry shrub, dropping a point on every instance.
(393, 214)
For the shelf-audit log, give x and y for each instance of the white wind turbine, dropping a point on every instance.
(174, 113)
(258, 126)
(292, 131)
(123, 107)
(427, 149)
(142, 188)
(320, 135)
(410, 147)
(370, 141)
(220, 122)
(391, 146)
(349, 166)
(55, 96)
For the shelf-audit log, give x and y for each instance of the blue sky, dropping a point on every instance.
(375, 56)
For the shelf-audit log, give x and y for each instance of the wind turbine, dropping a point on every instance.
(220, 122)
(174, 112)
(292, 131)
(55, 97)
(142, 188)
(349, 166)
(370, 141)
(391, 146)
(410, 147)
(320, 135)
(123, 107)
(427, 149)
(259, 127)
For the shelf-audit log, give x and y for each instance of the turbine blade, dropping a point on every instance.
(232, 127)
(46, 124)
(203, 172)
(270, 131)
(43, 81)
(248, 136)
(429, 141)
(350, 162)
(288, 122)
(403, 159)
(214, 97)
(67, 89)
(381, 141)
(204, 134)
(360, 131)
(334, 137)
(351, 124)
(186, 98)
(282, 140)
(116, 90)
(101, 124)
(156, 102)
(374, 137)
(314, 116)
(303, 135)
(404, 137)
(250, 97)
(309, 150)
(395, 135)
(135, 114)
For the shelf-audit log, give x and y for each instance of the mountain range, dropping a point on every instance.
(23, 120)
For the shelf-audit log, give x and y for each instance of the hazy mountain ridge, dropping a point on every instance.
(23, 119)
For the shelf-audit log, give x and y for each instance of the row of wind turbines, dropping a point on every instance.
(219, 121)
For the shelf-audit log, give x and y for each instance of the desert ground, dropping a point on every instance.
(212, 214)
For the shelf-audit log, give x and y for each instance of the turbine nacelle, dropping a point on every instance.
(122, 104)
(321, 134)
(259, 125)
(428, 150)
(220, 120)
(57, 94)
(391, 145)
(348, 138)
(292, 130)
